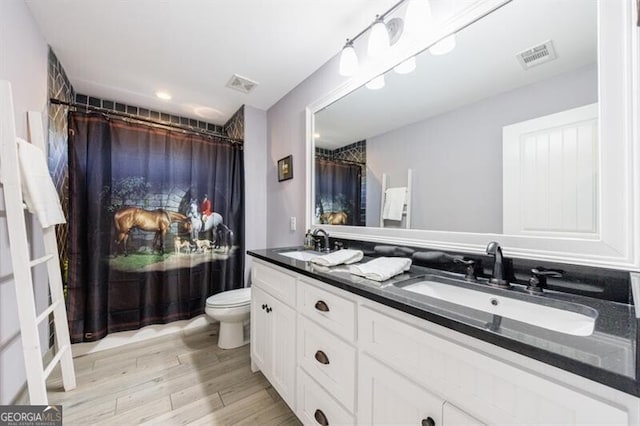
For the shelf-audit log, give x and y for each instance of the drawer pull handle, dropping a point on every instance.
(428, 422)
(322, 358)
(321, 418)
(269, 309)
(264, 306)
(322, 306)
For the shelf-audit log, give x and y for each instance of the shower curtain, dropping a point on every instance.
(156, 224)
(338, 192)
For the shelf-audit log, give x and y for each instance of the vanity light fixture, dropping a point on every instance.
(376, 83)
(406, 67)
(417, 18)
(441, 14)
(378, 38)
(163, 95)
(348, 60)
(382, 35)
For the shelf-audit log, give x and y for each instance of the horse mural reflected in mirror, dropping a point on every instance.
(330, 218)
(158, 221)
(213, 222)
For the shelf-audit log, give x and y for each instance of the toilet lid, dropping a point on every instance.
(230, 298)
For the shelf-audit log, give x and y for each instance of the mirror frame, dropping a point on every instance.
(618, 244)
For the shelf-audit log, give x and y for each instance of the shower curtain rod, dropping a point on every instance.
(149, 121)
(338, 160)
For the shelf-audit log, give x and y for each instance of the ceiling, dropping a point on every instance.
(482, 65)
(127, 50)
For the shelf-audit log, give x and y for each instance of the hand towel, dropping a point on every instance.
(382, 268)
(394, 201)
(38, 191)
(345, 256)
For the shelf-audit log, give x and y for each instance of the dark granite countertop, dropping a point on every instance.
(607, 356)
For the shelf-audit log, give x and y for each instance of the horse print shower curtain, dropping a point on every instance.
(156, 224)
(338, 192)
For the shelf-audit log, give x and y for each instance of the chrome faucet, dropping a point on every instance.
(499, 274)
(324, 233)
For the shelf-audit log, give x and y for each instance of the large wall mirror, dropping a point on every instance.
(504, 137)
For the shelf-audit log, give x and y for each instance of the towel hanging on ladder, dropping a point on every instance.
(38, 191)
(394, 201)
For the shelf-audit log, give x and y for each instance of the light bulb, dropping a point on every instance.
(378, 39)
(406, 67)
(348, 60)
(376, 83)
(417, 18)
(444, 46)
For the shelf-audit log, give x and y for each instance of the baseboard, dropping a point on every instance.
(122, 338)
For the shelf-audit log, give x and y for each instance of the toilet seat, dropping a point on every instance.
(230, 299)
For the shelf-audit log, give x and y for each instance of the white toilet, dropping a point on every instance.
(232, 309)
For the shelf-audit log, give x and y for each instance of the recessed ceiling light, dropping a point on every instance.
(163, 95)
(207, 112)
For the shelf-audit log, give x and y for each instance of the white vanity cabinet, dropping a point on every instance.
(273, 329)
(483, 380)
(338, 358)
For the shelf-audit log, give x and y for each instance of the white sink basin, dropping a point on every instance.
(549, 317)
(304, 255)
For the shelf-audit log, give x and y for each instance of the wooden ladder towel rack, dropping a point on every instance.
(22, 263)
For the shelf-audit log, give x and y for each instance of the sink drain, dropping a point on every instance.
(494, 302)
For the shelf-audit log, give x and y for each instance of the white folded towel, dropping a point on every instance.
(346, 256)
(382, 268)
(394, 200)
(38, 190)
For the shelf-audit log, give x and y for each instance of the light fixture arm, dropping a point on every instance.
(378, 17)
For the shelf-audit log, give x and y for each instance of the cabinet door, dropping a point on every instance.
(387, 397)
(283, 351)
(453, 416)
(259, 329)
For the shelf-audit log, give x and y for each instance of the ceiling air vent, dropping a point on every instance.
(241, 84)
(537, 55)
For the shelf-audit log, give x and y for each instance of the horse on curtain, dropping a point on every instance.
(158, 221)
(214, 222)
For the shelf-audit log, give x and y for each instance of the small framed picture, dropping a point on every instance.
(285, 168)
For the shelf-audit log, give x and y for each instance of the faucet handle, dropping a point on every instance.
(471, 270)
(544, 272)
(539, 277)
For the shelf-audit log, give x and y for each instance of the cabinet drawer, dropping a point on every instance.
(316, 406)
(329, 360)
(388, 398)
(452, 415)
(275, 282)
(333, 312)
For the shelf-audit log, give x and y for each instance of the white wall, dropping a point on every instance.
(286, 135)
(23, 61)
(457, 156)
(255, 170)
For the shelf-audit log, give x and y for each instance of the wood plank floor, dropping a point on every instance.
(172, 380)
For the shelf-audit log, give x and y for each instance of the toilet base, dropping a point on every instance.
(231, 335)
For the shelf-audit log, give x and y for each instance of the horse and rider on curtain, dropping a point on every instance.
(156, 224)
